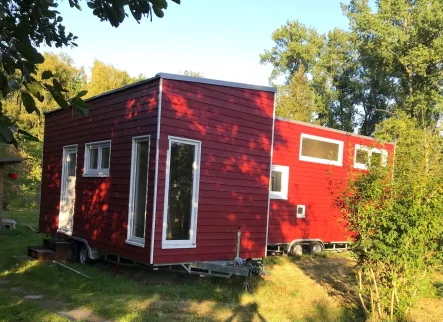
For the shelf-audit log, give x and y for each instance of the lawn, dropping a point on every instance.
(306, 289)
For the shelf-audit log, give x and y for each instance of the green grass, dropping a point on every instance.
(306, 289)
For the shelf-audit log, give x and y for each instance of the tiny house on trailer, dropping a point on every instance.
(305, 157)
(164, 171)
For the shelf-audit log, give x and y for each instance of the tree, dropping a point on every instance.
(297, 99)
(106, 77)
(24, 26)
(395, 216)
(24, 192)
(328, 62)
(400, 46)
(193, 73)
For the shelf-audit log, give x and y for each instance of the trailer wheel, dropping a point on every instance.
(84, 256)
(316, 248)
(296, 250)
(73, 255)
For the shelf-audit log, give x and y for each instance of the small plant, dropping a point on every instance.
(395, 215)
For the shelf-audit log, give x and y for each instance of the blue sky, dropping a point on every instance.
(221, 39)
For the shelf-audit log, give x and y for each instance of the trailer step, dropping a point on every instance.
(41, 253)
(60, 247)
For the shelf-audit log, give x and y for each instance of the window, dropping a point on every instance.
(97, 159)
(181, 193)
(321, 150)
(301, 211)
(138, 191)
(278, 186)
(365, 155)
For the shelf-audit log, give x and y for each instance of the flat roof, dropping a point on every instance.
(326, 128)
(182, 78)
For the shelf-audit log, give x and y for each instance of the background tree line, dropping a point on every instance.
(390, 60)
(24, 192)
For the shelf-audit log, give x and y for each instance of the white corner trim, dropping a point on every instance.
(283, 194)
(270, 171)
(192, 241)
(157, 152)
(340, 144)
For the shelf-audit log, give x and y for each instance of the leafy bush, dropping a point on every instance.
(395, 215)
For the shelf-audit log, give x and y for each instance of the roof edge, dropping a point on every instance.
(180, 78)
(144, 81)
(326, 128)
(210, 81)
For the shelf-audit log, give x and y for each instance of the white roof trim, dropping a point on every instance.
(215, 82)
(326, 128)
(184, 79)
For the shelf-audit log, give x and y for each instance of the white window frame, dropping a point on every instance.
(283, 194)
(303, 215)
(338, 162)
(134, 240)
(99, 172)
(192, 241)
(364, 166)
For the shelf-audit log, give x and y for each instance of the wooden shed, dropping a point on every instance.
(163, 171)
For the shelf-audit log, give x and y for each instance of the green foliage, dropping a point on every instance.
(395, 215)
(106, 77)
(193, 73)
(25, 191)
(297, 99)
(25, 25)
(327, 62)
(389, 61)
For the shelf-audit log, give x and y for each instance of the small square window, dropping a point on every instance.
(301, 211)
(97, 159)
(278, 186)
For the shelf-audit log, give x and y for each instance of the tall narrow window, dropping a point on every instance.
(181, 193)
(138, 191)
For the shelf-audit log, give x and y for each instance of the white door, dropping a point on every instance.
(67, 197)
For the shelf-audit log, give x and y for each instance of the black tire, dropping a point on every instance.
(73, 252)
(316, 248)
(84, 256)
(296, 250)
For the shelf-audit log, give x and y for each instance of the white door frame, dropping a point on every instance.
(68, 149)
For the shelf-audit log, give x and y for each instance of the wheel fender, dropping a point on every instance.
(92, 252)
(304, 241)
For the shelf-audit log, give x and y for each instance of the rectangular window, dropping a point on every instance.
(278, 187)
(321, 150)
(181, 193)
(138, 191)
(97, 159)
(365, 156)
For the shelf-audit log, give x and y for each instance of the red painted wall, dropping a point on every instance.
(235, 128)
(308, 185)
(101, 205)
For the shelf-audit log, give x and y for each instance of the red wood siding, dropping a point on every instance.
(235, 129)
(308, 185)
(101, 204)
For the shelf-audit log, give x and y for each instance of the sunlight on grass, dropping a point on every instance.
(306, 289)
